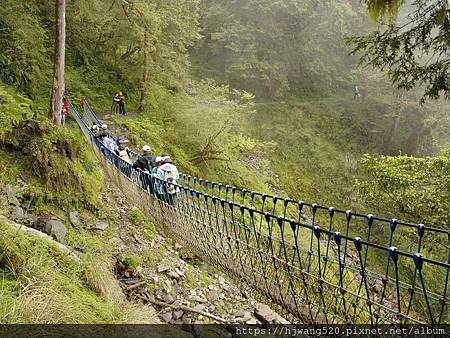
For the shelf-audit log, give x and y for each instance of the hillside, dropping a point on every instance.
(109, 245)
(260, 95)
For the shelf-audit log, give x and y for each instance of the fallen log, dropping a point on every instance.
(183, 308)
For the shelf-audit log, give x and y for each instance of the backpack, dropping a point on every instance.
(146, 163)
(170, 182)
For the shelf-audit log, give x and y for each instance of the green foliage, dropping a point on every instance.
(40, 284)
(381, 9)
(132, 262)
(416, 189)
(413, 51)
(56, 156)
(142, 221)
(13, 108)
(23, 40)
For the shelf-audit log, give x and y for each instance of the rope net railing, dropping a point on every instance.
(318, 264)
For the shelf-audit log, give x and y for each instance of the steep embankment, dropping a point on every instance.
(45, 176)
(103, 260)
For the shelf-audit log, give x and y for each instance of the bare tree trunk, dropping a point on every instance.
(59, 60)
(144, 73)
(391, 144)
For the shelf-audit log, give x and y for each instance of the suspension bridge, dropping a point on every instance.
(315, 264)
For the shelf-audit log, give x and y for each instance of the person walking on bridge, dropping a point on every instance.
(168, 175)
(123, 152)
(144, 165)
(144, 162)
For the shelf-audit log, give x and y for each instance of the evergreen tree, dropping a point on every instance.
(412, 46)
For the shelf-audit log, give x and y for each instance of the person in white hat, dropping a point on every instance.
(168, 175)
(144, 164)
(146, 160)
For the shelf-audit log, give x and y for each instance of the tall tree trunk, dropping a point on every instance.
(391, 144)
(59, 61)
(145, 71)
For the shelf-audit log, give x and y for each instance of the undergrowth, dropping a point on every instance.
(40, 284)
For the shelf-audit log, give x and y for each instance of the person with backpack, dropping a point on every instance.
(123, 152)
(109, 142)
(144, 165)
(168, 175)
(104, 131)
(95, 129)
(153, 172)
(144, 162)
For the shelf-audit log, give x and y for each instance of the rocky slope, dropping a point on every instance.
(154, 272)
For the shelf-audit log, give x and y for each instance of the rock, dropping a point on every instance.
(266, 315)
(166, 316)
(33, 219)
(167, 283)
(26, 205)
(179, 272)
(102, 226)
(177, 314)
(138, 271)
(168, 299)
(247, 316)
(177, 288)
(159, 294)
(12, 200)
(213, 295)
(8, 190)
(161, 267)
(199, 307)
(74, 220)
(173, 274)
(177, 246)
(221, 280)
(17, 214)
(117, 243)
(132, 281)
(56, 229)
(187, 320)
(198, 299)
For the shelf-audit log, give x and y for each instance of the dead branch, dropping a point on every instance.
(183, 308)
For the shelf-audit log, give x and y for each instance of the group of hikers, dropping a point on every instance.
(158, 174)
(118, 104)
